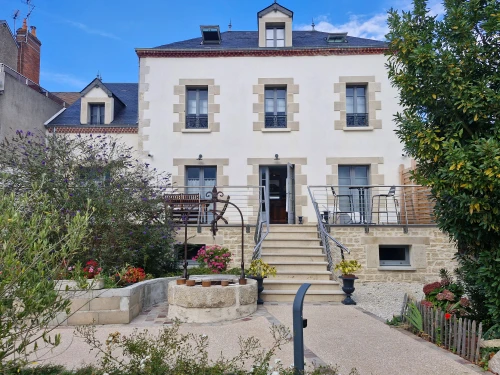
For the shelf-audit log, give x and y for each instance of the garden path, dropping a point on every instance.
(337, 334)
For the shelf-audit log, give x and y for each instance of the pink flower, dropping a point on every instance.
(99, 269)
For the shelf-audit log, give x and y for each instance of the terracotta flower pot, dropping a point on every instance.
(224, 283)
(181, 281)
(206, 283)
(190, 283)
(242, 281)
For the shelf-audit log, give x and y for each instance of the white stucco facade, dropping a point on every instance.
(316, 103)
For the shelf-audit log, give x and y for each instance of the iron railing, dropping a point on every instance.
(275, 121)
(20, 78)
(196, 121)
(249, 200)
(357, 119)
(399, 205)
(328, 242)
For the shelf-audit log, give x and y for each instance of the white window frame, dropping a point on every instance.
(101, 117)
(275, 39)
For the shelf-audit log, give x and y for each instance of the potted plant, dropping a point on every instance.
(347, 268)
(258, 271)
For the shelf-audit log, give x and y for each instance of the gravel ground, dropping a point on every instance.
(385, 299)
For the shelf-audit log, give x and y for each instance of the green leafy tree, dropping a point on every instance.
(128, 223)
(35, 240)
(447, 71)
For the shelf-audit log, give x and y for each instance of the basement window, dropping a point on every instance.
(394, 255)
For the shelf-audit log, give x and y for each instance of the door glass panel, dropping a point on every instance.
(280, 33)
(350, 104)
(269, 105)
(281, 103)
(270, 34)
(280, 43)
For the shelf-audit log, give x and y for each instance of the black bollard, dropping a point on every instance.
(299, 323)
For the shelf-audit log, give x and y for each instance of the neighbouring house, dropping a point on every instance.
(308, 116)
(24, 105)
(101, 108)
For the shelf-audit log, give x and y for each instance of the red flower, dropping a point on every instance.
(447, 316)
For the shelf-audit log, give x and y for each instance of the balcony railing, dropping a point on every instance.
(374, 205)
(357, 119)
(20, 78)
(197, 122)
(275, 121)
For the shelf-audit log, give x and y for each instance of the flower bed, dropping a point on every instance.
(112, 306)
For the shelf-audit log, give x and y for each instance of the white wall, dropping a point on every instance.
(237, 140)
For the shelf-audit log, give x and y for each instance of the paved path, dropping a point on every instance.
(336, 334)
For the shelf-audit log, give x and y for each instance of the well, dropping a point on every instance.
(198, 304)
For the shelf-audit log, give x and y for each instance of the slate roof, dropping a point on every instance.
(126, 116)
(235, 40)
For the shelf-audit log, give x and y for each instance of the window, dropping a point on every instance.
(200, 176)
(354, 198)
(197, 108)
(394, 255)
(356, 112)
(275, 107)
(94, 175)
(275, 36)
(336, 38)
(96, 114)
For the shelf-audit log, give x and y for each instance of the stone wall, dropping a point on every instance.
(229, 237)
(430, 250)
(113, 306)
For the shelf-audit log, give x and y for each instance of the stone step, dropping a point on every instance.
(271, 283)
(303, 275)
(291, 250)
(285, 241)
(311, 296)
(299, 266)
(293, 228)
(292, 235)
(284, 257)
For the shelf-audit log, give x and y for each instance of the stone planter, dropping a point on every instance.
(94, 284)
(112, 306)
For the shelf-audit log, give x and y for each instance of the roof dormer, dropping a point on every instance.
(98, 104)
(275, 26)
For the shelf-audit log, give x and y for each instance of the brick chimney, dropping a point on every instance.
(28, 56)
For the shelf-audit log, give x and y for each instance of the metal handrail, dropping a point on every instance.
(326, 237)
(28, 82)
(258, 230)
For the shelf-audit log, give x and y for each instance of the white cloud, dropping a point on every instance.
(90, 30)
(360, 26)
(63, 79)
(374, 27)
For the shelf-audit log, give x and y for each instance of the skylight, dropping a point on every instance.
(336, 38)
(210, 34)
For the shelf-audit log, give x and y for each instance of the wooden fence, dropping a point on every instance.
(461, 336)
(418, 203)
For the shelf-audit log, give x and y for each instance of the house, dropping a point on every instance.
(24, 104)
(100, 108)
(308, 116)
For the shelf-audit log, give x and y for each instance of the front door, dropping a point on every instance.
(279, 184)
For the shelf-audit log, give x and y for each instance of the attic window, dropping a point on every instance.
(337, 38)
(210, 34)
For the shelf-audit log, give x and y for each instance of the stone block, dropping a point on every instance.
(494, 363)
(113, 317)
(83, 318)
(79, 304)
(248, 294)
(106, 303)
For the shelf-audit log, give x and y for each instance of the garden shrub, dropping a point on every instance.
(446, 295)
(36, 238)
(129, 224)
(216, 258)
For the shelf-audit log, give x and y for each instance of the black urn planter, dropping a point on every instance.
(260, 288)
(348, 288)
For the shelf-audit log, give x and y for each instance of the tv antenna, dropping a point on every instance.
(31, 7)
(14, 17)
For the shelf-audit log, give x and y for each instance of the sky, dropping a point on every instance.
(83, 37)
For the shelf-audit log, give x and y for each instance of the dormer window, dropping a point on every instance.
(337, 38)
(210, 34)
(96, 114)
(275, 36)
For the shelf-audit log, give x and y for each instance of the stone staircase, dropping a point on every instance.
(296, 252)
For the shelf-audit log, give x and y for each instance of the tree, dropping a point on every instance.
(447, 71)
(128, 223)
(35, 239)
